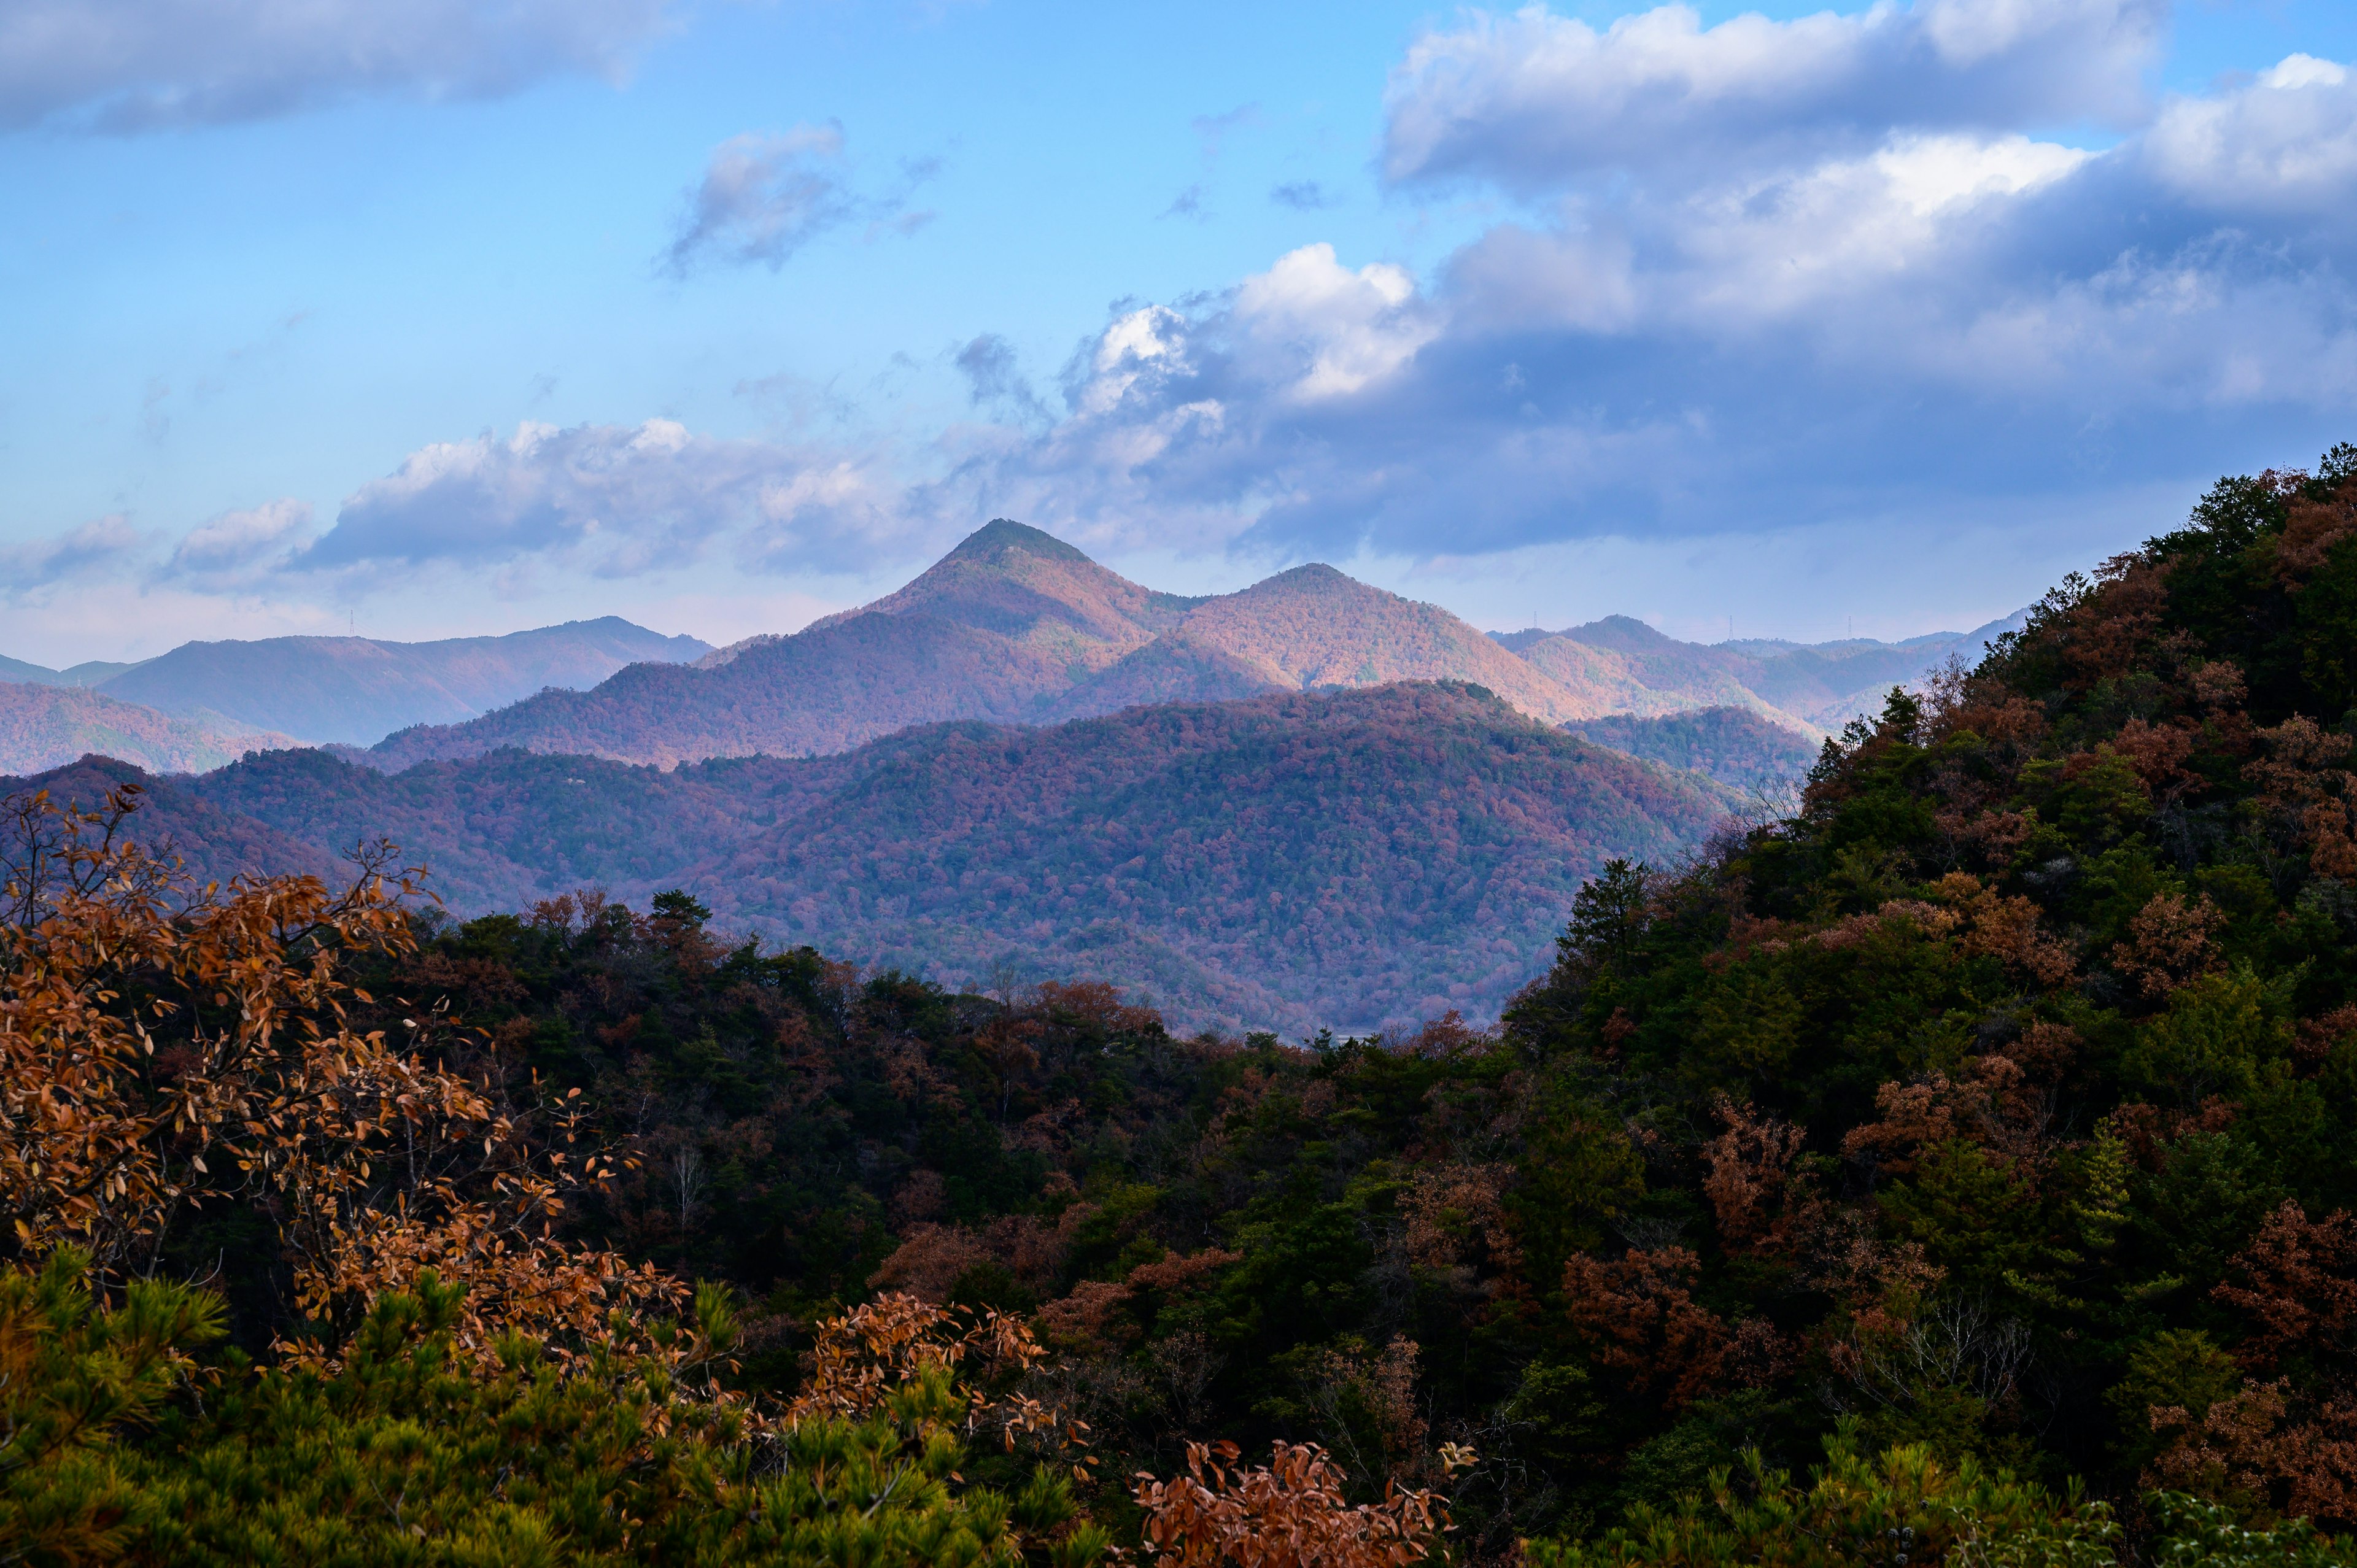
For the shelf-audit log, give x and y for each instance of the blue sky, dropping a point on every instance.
(452, 317)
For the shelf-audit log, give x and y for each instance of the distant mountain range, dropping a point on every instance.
(1012, 627)
(1293, 860)
(1308, 803)
(1623, 666)
(354, 690)
(1016, 627)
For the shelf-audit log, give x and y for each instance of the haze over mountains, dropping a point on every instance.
(353, 689)
(1016, 627)
(1309, 803)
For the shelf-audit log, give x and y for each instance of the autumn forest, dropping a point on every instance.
(1960, 1168)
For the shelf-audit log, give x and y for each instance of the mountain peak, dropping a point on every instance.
(1002, 535)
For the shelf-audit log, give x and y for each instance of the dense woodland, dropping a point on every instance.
(1348, 858)
(1958, 1170)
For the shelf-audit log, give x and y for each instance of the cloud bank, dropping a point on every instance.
(1830, 274)
(143, 65)
(1761, 275)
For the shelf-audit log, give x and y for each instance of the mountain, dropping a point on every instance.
(1734, 745)
(824, 690)
(1313, 628)
(1012, 627)
(1293, 860)
(1034, 589)
(1621, 665)
(358, 690)
(173, 819)
(44, 726)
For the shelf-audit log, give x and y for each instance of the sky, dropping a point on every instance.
(453, 318)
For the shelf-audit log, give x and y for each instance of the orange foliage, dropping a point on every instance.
(861, 1358)
(1639, 1314)
(2298, 1284)
(2169, 943)
(162, 1044)
(1750, 1173)
(2249, 1450)
(1288, 1514)
(1455, 1214)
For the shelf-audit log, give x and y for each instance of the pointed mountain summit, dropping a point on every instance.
(1014, 626)
(1033, 589)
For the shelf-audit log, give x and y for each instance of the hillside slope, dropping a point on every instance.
(174, 818)
(1734, 745)
(46, 726)
(1313, 627)
(1290, 861)
(2043, 1009)
(1620, 665)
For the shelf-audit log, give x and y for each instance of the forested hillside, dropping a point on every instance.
(1734, 745)
(44, 726)
(1999, 1104)
(1985, 1134)
(1294, 862)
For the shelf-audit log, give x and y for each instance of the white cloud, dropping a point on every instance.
(2284, 145)
(101, 548)
(128, 65)
(1534, 102)
(612, 500)
(1895, 300)
(1342, 329)
(239, 540)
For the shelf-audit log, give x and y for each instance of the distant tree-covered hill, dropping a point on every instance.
(44, 726)
(1734, 745)
(1293, 861)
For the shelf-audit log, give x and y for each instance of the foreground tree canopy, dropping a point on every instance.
(1962, 1169)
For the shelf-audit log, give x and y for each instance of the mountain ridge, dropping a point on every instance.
(357, 690)
(1016, 626)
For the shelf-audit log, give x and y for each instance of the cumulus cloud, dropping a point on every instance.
(1770, 274)
(242, 540)
(1535, 100)
(133, 65)
(1827, 274)
(614, 500)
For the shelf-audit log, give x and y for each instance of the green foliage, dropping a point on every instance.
(1903, 1506)
(415, 1454)
(75, 1380)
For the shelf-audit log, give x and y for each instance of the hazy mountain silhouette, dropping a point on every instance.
(44, 726)
(358, 690)
(1016, 626)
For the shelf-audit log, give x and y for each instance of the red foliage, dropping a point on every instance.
(2297, 1282)
(1638, 1316)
